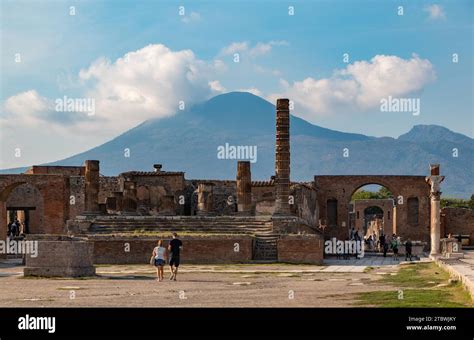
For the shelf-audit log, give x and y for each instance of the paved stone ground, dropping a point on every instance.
(259, 285)
(464, 268)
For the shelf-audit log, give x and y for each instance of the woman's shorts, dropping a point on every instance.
(159, 263)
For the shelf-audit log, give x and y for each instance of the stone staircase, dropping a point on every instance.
(265, 249)
(192, 224)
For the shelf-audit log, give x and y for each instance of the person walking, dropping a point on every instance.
(408, 246)
(159, 253)
(383, 245)
(394, 246)
(175, 246)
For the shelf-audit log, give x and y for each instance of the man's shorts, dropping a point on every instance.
(174, 261)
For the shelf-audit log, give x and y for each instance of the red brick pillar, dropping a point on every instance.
(244, 187)
(92, 187)
(282, 157)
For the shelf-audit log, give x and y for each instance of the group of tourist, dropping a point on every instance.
(170, 254)
(393, 243)
(383, 243)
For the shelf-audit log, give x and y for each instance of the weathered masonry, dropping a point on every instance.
(411, 197)
(268, 220)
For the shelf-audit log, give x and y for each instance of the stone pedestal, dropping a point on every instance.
(435, 194)
(282, 158)
(92, 187)
(205, 198)
(61, 256)
(244, 188)
(451, 248)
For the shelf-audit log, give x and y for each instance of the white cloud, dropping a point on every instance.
(358, 87)
(252, 51)
(148, 83)
(252, 90)
(436, 12)
(28, 103)
(216, 86)
(191, 18)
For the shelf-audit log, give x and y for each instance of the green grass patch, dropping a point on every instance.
(412, 298)
(415, 285)
(419, 275)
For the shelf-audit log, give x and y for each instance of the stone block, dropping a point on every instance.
(61, 256)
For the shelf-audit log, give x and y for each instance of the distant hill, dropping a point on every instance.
(188, 141)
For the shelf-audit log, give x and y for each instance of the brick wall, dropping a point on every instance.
(457, 221)
(195, 250)
(301, 249)
(108, 184)
(77, 190)
(56, 170)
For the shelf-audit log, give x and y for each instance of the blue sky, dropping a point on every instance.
(299, 56)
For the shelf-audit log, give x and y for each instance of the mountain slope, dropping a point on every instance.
(189, 140)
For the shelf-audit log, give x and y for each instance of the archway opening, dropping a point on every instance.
(372, 211)
(25, 209)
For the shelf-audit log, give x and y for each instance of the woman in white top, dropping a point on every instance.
(160, 259)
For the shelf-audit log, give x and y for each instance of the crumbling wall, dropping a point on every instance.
(304, 203)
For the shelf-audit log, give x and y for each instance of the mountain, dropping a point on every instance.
(188, 141)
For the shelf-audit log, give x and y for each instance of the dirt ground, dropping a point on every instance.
(197, 286)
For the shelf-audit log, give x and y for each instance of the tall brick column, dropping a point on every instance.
(92, 187)
(244, 187)
(435, 194)
(282, 157)
(205, 198)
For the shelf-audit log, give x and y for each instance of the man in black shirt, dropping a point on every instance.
(174, 248)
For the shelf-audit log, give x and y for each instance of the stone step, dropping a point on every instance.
(167, 229)
(134, 227)
(266, 248)
(182, 218)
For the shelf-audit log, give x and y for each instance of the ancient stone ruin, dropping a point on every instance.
(119, 218)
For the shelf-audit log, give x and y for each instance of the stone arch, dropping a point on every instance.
(53, 190)
(343, 187)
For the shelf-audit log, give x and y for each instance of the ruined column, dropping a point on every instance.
(435, 194)
(129, 200)
(205, 198)
(282, 157)
(244, 187)
(92, 187)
